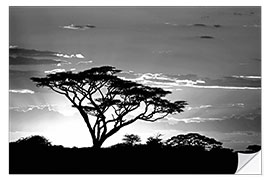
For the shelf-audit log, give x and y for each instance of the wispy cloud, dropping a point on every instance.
(202, 109)
(79, 56)
(172, 120)
(15, 51)
(31, 61)
(31, 107)
(241, 105)
(240, 121)
(252, 26)
(171, 24)
(13, 46)
(162, 52)
(78, 27)
(244, 133)
(247, 77)
(198, 107)
(54, 71)
(84, 62)
(22, 91)
(21, 56)
(63, 62)
(65, 110)
(224, 87)
(193, 81)
(205, 25)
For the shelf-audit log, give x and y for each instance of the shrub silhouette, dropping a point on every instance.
(131, 139)
(34, 140)
(194, 140)
(154, 141)
(105, 101)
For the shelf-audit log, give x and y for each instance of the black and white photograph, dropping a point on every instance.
(134, 89)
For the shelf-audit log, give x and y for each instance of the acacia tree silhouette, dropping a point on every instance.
(195, 140)
(131, 139)
(106, 102)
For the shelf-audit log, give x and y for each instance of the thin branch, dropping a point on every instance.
(52, 88)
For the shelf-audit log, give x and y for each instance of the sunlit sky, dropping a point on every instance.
(207, 56)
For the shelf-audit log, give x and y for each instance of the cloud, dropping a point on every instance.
(235, 82)
(84, 62)
(171, 24)
(245, 133)
(159, 79)
(244, 121)
(32, 107)
(241, 105)
(164, 52)
(225, 87)
(65, 110)
(252, 26)
(21, 56)
(205, 25)
(188, 108)
(19, 60)
(207, 37)
(13, 46)
(54, 71)
(79, 56)
(173, 120)
(63, 62)
(193, 81)
(22, 91)
(78, 27)
(247, 77)
(16, 51)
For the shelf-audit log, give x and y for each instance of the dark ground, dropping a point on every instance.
(121, 160)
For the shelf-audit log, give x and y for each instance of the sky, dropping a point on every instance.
(207, 56)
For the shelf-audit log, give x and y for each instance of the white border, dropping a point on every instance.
(4, 73)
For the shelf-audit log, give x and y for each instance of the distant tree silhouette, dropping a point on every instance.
(254, 148)
(108, 103)
(131, 139)
(195, 140)
(155, 141)
(35, 140)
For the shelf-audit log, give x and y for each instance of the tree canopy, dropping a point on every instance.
(131, 139)
(106, 102)
(194, 139)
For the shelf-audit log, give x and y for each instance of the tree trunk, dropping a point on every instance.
(97, 144)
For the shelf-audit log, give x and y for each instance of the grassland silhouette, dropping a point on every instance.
(182, 154)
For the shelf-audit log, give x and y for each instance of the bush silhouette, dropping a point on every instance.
(154, 141)
(253, 148)
(34, 140)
